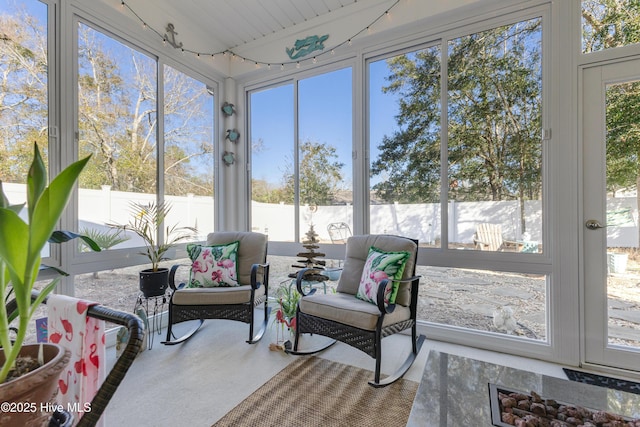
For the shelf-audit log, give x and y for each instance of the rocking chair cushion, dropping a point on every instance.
(348, 310)
(213, 266)
(356, 256)
(381, 265)
(214, 296)
(250, 251)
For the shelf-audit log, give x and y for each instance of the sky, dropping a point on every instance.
(326, 116)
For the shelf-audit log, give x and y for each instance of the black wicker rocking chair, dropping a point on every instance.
(362, 324)
(225, 302)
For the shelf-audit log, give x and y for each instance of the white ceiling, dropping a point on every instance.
(260, 30)
(237, 22)
(218, 25)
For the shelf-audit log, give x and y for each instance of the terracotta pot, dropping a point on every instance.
(30, 399)
(154, 283)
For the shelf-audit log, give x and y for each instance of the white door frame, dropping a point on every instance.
(597, 351)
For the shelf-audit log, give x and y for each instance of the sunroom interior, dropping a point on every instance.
(500, 135)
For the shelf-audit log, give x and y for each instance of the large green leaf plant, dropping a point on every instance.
(21, 244)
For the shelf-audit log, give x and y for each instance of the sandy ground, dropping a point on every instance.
(460, 297)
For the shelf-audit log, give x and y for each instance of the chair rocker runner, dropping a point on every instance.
(229, 278)
(357, 313)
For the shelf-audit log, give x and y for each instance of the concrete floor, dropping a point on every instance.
(199, 381)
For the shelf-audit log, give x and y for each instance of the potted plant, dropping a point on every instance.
(285, 316)
(147, 218)
(21, 244)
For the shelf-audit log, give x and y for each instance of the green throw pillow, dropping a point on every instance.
(381, 265)
(213, 266)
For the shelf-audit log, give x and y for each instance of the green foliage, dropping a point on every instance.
(623, 136)
(288, 298)
(104, 239)
(147, 219)
(609, 23)
(262, 191)
(117, 113)
(319, 175)
(494, 121)
(22, 242)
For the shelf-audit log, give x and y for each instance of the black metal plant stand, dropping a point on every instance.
(158, 305)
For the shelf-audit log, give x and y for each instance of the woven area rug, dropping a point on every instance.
(313, 391)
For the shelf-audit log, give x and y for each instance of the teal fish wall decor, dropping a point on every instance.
(306, 46)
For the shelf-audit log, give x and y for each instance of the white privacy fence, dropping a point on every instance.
(421, 220)
(97, 208)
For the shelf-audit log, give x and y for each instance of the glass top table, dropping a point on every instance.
(454, 392)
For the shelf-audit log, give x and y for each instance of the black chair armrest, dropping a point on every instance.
(136, 335)
(264, 269)
(172, 277)
(386, 309)
(300, 278)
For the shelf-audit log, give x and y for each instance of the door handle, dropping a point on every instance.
(593, 224)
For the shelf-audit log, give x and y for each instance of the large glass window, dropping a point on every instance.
(304, 180)
(494, 145)
(132, 163)
(117, 125)
(404, 139)
(272, 142)
(474, 155)
(324, 153)
(188, 150)
(24, 94)
(622, 203)
(608, 24)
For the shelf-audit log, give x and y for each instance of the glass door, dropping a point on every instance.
(611, 176)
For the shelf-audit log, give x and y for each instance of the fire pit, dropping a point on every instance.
(516, 408)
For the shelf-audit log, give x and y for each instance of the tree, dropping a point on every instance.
(118, 122)
(103, 119)
(265, 192)
(117, 107)
(494, 143)
(319, 175)
(23, 94)
(609, 23)
(188, 135)
(623, 137)
(493, 134)
(410, 158)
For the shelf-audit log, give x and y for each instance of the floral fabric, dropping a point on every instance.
(381, 265)
(84, 336)
(213, 266)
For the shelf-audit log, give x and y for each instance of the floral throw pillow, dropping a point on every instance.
(213, 266)
(381, 265)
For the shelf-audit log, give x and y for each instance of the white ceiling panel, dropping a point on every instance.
(226, 24)
(213, 26)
